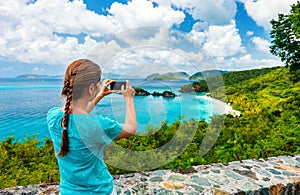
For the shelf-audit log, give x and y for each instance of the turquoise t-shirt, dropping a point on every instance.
(82, 170)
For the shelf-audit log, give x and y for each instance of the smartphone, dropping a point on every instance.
(117, 85)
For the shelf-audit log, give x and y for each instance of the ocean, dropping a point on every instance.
(26, 101)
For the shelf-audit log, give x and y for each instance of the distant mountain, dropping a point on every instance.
(38, 76)
(185, 76)
(207, 74)
(110, 75)
(104, 75)
(169, 76)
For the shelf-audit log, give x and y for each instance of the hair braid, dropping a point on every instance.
(79, 75)
(64, 149)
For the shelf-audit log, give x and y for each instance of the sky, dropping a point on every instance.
(137, 37)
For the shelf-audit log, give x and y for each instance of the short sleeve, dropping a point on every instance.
(111, 127)
(52, 116)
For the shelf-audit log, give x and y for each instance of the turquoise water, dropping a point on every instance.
(25, 102)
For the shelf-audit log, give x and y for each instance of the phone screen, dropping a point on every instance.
(117, 85)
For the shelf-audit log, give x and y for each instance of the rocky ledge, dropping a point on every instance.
(272, 176)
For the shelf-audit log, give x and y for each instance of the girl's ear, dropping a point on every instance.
(91, 88)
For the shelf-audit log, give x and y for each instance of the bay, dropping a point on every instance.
(24, 103)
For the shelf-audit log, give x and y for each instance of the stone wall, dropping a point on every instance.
(272, 176)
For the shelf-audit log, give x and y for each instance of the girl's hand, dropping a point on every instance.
(128, 92)
(105, 90)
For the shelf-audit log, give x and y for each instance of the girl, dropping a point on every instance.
(79, 137)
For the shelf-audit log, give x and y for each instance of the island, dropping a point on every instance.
(142, 92)
(33, 76)
(164, 94)
(110, 75)
(169, 76)
(106, 75)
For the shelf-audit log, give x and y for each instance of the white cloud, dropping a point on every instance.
(7, 68)
(150, 44)
(263, 11)
(218, 41)
(222, 41)
(28, 32)
(218, 12)
(261, 44)
(69, 17)
(145, 59)
(31, 33)
(105, 52)
(146, 47)
(37, 69)
(250, 33)
(142, 36)
(200, 26)
(247, 62)
(139, 13)
(72, 17)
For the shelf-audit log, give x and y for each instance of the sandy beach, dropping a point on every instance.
(222, 106)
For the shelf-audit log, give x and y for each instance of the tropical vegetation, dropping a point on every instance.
(269, 126)
(286, 37)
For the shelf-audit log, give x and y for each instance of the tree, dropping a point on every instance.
(286, 37)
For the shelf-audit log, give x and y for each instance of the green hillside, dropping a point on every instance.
(226, 79)
(270, 89)
(235, 77)
(270, 121)
(207, 74)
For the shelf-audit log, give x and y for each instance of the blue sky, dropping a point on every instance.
(137, 37)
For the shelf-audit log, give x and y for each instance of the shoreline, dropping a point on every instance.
(222, 106)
